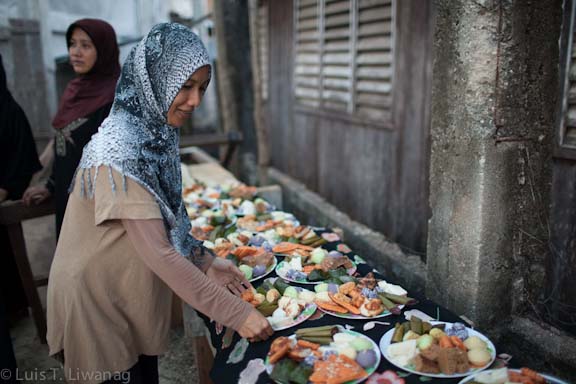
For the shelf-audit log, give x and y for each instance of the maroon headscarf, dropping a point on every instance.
(89, 92)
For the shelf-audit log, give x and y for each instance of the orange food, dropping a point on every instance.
(279, 348)
(331, 306)
(519, 378)
(284, 247)
(445, 342)
(262, 228)
(458, 343)
(345, 302)
(308, 344)
(247, 295)
(310, 268)
(337, 369)
(533, 375)
(243, 251)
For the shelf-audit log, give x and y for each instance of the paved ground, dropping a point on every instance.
(35, 366)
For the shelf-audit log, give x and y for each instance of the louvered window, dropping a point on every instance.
(567, 126)
(263, 43)
(344, 56)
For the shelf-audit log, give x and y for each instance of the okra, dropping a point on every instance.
(399, 299)
(322, 340)
(318, 243)
(398, 333)
(416, 325)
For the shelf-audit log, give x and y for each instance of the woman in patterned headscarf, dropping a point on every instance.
(86, 102)
(125, 239)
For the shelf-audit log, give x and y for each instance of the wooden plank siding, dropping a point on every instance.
(362, 139)
(280, 95)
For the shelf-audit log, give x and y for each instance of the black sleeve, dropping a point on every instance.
(23, 158)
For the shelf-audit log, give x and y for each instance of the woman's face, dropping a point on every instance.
(189, 97)
(82, 52)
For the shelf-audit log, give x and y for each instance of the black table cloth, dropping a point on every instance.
(224, 372)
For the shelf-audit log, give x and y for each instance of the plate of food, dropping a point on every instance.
(508, 375)
(299, 240)
(254, 262)
(437, 349)
(283, 306)
(322, 354)
(318, 267)
(363, 298)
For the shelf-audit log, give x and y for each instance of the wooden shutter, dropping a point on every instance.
(308, 48)
(336, 55)
(344, 56)
(566, 142)
(374, 57)
(569, 138)
(263, 43)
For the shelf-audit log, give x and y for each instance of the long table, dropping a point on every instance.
(227, 343)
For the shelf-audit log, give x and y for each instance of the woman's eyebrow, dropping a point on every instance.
(79, 40)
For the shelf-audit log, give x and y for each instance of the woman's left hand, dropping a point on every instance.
(224, 272)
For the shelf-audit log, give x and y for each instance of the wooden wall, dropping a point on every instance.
(375, 171)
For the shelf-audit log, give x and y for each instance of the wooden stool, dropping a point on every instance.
(12, 213)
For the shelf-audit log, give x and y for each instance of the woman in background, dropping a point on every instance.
(86, 102)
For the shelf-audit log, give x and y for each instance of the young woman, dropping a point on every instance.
(125, 241)
(86, 102)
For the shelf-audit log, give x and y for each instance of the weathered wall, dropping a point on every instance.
(495, 73)
(235, 81)
(376, 172)
(495, 86)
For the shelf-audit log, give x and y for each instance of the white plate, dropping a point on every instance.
(280, 273)
(370, 370)
(549, 379)
(268, 270)
(302, 317)
(351, 316)
(385, 342)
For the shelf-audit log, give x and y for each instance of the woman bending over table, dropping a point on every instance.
(125, 242)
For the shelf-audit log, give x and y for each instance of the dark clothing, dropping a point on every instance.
(65, 163)
(7, 358)
(18, 156)
(145, 371)
(18, 162)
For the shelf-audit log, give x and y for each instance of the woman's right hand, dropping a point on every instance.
(35, 195)
(256, 327)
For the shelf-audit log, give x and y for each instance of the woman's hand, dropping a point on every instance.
(256, 327)
(225, 273)
(35, 195)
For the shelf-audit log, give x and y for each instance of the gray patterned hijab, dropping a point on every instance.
(136, 139)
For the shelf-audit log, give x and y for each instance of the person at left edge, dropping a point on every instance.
(19, 161)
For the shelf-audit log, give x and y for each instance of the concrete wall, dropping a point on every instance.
(494, 86)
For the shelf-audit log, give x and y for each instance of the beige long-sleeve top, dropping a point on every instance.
(111, 282)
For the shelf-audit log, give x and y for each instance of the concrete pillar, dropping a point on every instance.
(231, 24)
(493, 99)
